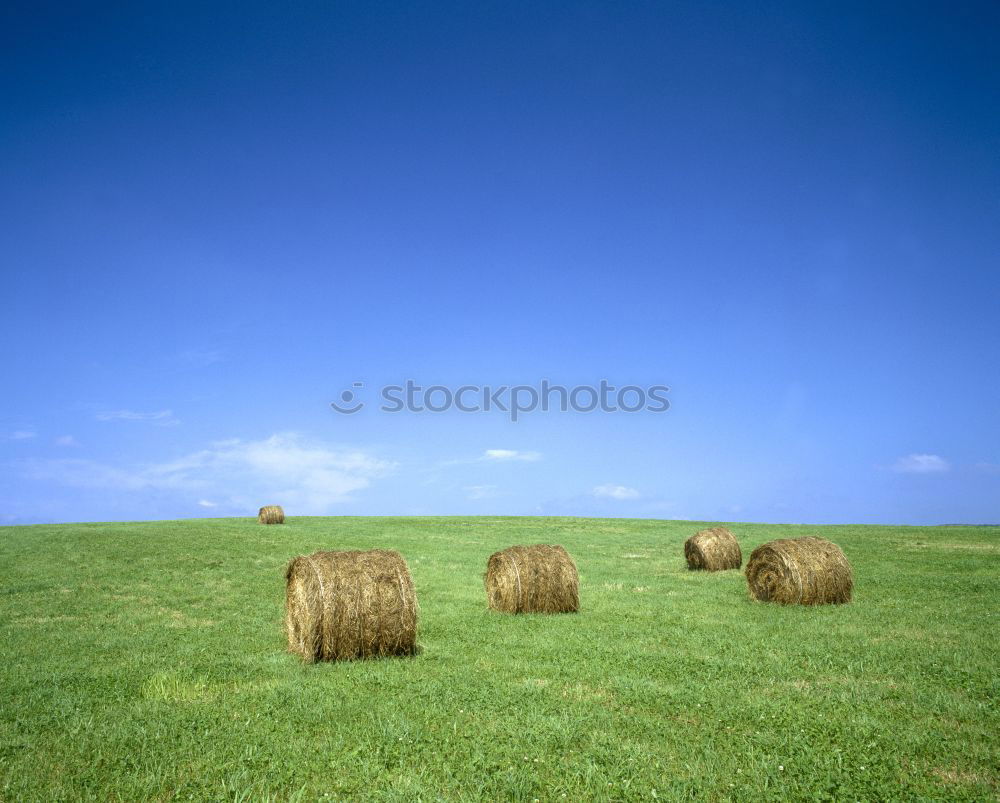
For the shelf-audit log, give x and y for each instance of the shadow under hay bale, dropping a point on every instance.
(271, 514)
(799, 571)
(532, 579)
(351, 604)
(714, 549)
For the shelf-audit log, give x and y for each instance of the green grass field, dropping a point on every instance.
(146, 661)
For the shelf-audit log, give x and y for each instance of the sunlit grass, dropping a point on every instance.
(146, 661)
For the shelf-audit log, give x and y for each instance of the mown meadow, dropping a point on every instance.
(147, 661)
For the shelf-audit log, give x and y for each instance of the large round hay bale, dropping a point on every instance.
(799, 571)
(351, 604)
(271, 514)
(714, 549)
(532, 579)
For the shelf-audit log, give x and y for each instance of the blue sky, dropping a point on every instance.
(216, 217)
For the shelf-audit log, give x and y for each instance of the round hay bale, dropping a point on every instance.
(714, 549)
(532, 579)
(351, 604)
(799, 571)
(271, 514)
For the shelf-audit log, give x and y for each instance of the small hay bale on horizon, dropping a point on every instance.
(715, 549)
(271, 514)
(350, 604)
(800, 571)
(532, 579)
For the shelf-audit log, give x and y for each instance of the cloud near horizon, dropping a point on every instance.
(510, 454)
(306, 477)
(163, 418)
(921, 464)
(610, 491)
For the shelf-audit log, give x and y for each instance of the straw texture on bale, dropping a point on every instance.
(714, 549)
(271, 514)
(532, 579)
(799, 571)
(351, 604)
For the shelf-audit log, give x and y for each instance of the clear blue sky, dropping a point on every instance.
(216, 217)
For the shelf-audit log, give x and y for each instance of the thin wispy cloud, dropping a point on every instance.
(305, 476)
(207, 503)
(66, 440)
(615, 492)
(163, 418)
(921, 464)
(22, 435)
(494, 456)
(510, 454)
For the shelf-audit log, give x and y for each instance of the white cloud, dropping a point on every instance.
(480, 491)
(510, 454)
(494, 456)
(615, 492)
(921, 464)
(163, 418)
(23, 435)
(309, 478)
(66, 440)
(207, 503)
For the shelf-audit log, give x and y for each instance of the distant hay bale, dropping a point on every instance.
(271, 514)
(714, 549)
(352, 604)
(799, 571)
(532, 579)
